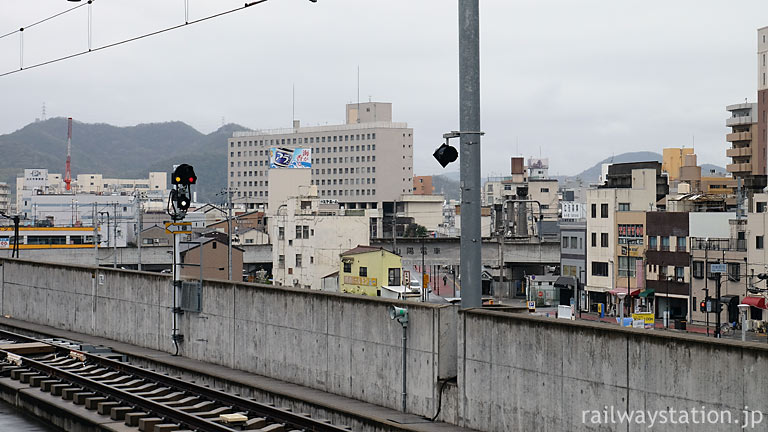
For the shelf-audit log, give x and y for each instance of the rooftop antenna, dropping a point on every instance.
(68, 172)
(42, 116)
(293, 102)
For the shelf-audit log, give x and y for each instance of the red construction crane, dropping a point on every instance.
(68, 173)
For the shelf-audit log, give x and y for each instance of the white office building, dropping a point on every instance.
(361, 163)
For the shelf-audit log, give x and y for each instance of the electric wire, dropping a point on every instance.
(46, 19)
(132, 39)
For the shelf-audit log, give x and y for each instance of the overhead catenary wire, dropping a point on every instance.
(132, 39)
(46, 19)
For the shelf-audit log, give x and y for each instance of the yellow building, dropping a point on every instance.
(672, 161)
(365, 269)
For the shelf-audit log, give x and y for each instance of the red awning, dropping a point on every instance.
(632, 293)
(758, 302)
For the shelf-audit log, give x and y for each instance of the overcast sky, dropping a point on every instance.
(572, 81)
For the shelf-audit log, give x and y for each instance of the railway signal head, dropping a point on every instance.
(184, 175)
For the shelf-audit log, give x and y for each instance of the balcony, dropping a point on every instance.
(739, 167)
(738, 136)
(739, 152)
(723, 244)
(739, 121)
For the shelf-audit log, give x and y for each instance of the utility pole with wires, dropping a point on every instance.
(229, 191)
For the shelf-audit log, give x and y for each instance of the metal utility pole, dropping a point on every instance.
(95, 236)
(229, 234)
(138, 236)
(394, 226)
(114, 237)
(469, 125)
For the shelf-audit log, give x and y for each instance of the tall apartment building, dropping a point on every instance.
(5, 198)
(360, 164)
(746, 153)
(748, 123)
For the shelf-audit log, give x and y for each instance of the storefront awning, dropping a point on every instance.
(648, 292)
(632, 293)
(758, 302)
(565, 282)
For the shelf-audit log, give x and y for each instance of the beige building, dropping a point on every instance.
(361, 163)
(673, 160)
(425, 210)
(629, 187)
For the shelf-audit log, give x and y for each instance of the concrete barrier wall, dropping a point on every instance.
(523, 373)
(340, 343)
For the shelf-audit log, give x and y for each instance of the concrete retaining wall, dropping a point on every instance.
(340, 343)
(524, 373)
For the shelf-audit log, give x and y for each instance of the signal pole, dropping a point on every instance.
(469, 125)
(178, 203)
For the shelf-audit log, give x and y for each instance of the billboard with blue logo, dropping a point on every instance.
(290, 158)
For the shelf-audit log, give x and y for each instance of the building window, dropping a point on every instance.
(298, 231)
(565, 242)
(603, 239)
(281, 233)
(681, 244)
(758, 242)
(734, 270)
(544, 190)
(665, 243)
(680, 274)
(281, 261)
(594, 239)
(364, 271)
(599, 268)
(298, 260)
(761, 207)
(623, 206)
(698, 269)
(305, 231)
(652, 243)
(603, 211)
(394, 277)
(594, 211)
(347, 267)
(627, 266)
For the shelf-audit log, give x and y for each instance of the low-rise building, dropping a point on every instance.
(668, 268)
(365, 270)
(308, 236)
(209, 259)
(716, 238)
(422, 185)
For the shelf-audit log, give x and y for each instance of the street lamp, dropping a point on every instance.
(621, 296)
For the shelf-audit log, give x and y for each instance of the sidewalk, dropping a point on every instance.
(690, 328)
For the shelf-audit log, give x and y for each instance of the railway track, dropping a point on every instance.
(142, 398)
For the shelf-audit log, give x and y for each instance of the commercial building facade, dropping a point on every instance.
(361, 163)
